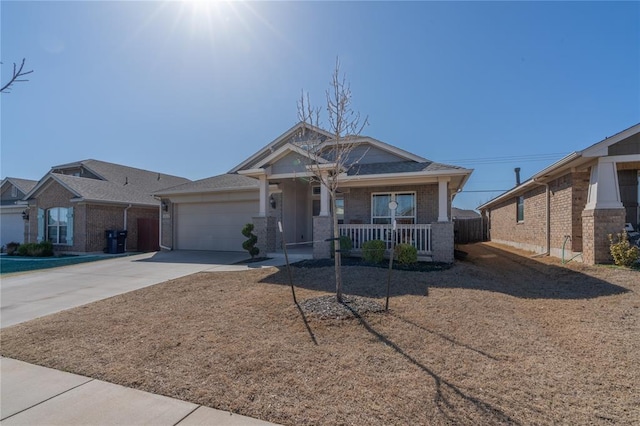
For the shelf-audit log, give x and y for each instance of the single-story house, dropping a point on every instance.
(568, 209)
(276, 184)
(74, 204)
(12, 190)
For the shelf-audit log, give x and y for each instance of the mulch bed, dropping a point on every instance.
(497, 339)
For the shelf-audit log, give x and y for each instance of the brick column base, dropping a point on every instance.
(442, 241)
(265, 230)
(322, 229)
(596, 227)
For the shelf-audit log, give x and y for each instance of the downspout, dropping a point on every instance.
(125, 225)
(548, 216)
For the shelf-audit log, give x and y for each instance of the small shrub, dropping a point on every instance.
(12, 247)
(250, 244)
(373, 251)
(43, 249)
(345, 246)
(406, 254)
(624, 254)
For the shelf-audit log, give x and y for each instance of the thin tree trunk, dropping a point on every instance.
(337, 254)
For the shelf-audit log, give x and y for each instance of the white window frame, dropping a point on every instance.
(519, 201)
(57, 225)
(393, 196)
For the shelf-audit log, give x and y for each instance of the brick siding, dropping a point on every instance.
(567, 200)
(597, 225)
(528, 234)
(90, 221)
(357, 203)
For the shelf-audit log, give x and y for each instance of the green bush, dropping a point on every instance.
(12, 247)
(406, 254)
(250, 244)
(373, 251)
(345, 246)
(624, 254)
(43, 249)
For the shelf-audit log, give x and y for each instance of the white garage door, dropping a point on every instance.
(213, 226)
(12, 228)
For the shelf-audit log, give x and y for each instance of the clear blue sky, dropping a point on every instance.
(193, 88)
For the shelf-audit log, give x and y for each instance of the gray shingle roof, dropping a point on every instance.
(216, 183)
(398, 167)
(24, 185)
(100, 190)
(145, 180)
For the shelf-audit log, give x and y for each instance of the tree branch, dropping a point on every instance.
(17, 73)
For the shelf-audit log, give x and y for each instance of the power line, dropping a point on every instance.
(508, 159)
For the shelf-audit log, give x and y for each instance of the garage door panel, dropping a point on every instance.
(12, 228)
(213, 226)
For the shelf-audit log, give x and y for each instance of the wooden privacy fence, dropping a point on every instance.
(468, 230)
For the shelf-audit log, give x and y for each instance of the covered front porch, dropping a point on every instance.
(304, 210)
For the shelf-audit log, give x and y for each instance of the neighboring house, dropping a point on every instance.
(457, 213)
(569, 209)
(74, 204)
(12, 190)
(275, 185)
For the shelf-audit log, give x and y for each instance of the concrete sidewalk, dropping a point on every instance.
(33, 395)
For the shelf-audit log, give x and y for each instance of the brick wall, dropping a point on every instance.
(265, 229)
(442, 241)
(596, 226)
(529, 234)
(567, 199)
(98, 220)
(322, 227)
(358, 202)
(90, 221)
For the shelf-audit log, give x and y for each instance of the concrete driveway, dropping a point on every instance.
(35, 294)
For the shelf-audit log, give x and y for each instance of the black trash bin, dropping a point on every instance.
(121, 237)
(112, 241)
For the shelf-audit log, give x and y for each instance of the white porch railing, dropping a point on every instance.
(418, 235)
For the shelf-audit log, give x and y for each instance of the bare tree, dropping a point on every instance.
(15, 77)
(330, 159)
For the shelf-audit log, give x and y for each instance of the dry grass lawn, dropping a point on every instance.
(500, 338)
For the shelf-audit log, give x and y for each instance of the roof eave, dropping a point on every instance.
(206, 191)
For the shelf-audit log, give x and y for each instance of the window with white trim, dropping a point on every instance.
(405, 213)
(520, 207)
(57, 225)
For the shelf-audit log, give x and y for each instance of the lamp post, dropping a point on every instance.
(393, 205)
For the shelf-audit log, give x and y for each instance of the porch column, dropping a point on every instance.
(443, 199)
(324, 196)
(603, 214)
(604, 192)
(264, 191)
